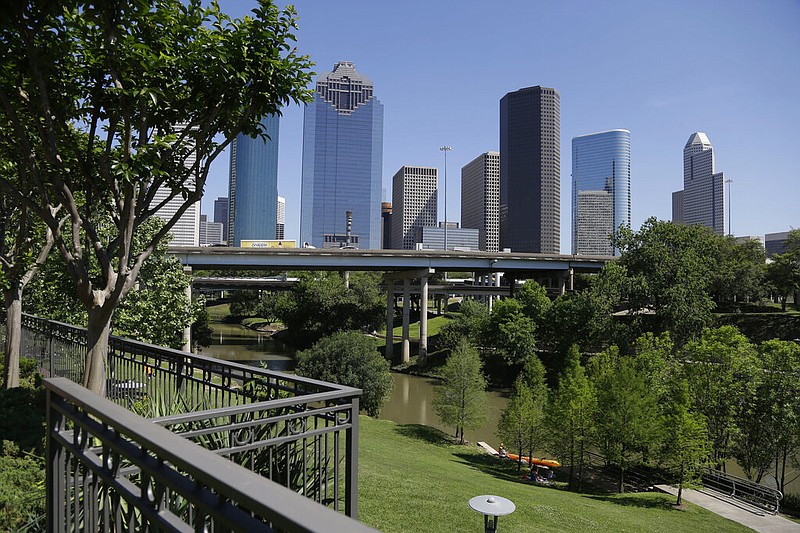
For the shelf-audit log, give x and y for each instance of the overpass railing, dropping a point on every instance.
(111, 470)
(744, 490)
(298, 432)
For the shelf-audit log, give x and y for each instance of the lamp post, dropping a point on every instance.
(491, 507)
(445, 149)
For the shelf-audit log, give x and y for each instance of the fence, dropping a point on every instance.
(298, 432)
(745, 490)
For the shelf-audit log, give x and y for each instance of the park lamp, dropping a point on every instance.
(491, 507)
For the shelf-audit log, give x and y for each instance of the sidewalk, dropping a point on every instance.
(719, 504)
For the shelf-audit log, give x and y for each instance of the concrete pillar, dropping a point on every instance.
(389, 352)
(406, 317)
(187, 331)
(571, 284)
(423, 320)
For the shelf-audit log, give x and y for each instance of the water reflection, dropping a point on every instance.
(234, 342)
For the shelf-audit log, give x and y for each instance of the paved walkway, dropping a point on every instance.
(723, 506)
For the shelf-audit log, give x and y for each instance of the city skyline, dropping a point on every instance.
(648, 79)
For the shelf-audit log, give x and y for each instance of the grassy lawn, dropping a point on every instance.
(434, 325)
(412, 479)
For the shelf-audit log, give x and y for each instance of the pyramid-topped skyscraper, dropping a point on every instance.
(342, 161)
(702, 200)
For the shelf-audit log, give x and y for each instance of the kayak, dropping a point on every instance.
(550, 463)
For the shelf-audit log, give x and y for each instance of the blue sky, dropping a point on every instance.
(662, 70)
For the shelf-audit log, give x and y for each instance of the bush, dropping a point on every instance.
(791, 503)
(349, 358)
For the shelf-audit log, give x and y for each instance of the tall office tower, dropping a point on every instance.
(280, 227)
(601, 163)
(414, 201)
(186, 231)
(221, 215)
(210, 232)
(480, 199)
(530, 171)
(253, 193)
(386, 225)
(703, 198)
(342, 159)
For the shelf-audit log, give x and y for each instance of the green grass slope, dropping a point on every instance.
(412, 479)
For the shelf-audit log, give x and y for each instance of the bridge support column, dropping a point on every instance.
(423, 320)
(187, 331)
(406, 318)
(389, 351)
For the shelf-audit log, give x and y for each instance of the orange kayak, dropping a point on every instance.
(550, 463)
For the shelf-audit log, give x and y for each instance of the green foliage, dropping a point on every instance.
(461, 398)
(22, 496)
(783, 272)
(510, 336)
(740, 271)
(467, 324)
(320, 305)
(244, 302)
(570, 417)
(626, 421)
(535, 302)
(349, 358)
(720, 367)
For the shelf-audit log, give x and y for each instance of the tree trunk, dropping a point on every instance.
(680, 485)
(621, 480)
(12, 298)
(98, 329)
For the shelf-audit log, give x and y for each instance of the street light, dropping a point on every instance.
(445, 149)
(491, 507)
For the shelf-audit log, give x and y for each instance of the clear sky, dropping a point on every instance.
(662, 70)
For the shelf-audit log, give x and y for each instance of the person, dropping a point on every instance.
(502, 451)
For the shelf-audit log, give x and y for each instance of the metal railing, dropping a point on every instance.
(298, 432)
(111, 470)
(744, 490)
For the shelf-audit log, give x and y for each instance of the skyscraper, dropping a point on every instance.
(414, 201)
(480, 199)
(530, 170)
(342, 159)
(253, 193)
(186, 231)
(280, 229)
(703, 196)
(601, 164)
(221, 215)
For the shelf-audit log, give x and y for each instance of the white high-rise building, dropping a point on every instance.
(480, 199)
(186, 231)
(414, 201)
(703, 198)
(281, 224)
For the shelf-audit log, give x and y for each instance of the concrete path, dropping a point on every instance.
(738, 512)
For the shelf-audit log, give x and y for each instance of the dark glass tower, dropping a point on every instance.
(342, 160)
(530, 171)
(253, 194)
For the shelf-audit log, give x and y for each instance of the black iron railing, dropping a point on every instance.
(300, 433)
(111, 470)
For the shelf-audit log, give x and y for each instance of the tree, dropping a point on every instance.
(720, 369)
(349, 358)
(535, 302)
(522, 421)
(509, 334)
(783, 275)
(320, 304)
(627, 413)
(685, 447)
(668, 270)
(570, 417)
(740, 270)
(147, 95)
(461, 398)
(468, 324)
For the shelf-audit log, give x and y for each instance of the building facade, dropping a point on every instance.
(775, 243)
(221, 207)
(280, 227)
(458, 239)
(703, 198)
(342, 159)
(480, 199)
(386, 225)
(186, 230)
(414, 201)
(210, 232)
(253, 186)
(601, 163)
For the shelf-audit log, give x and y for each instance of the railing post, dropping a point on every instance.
(50, 349)
(54, 486)
(351, 472)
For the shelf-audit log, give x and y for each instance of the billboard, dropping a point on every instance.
(268, 244)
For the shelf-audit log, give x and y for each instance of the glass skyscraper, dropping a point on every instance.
(253, 194)
(601, 190)
(342, 159)
(702, 200)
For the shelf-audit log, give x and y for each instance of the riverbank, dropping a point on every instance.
(412, 478)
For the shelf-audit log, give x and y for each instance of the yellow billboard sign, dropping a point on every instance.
(269, 244)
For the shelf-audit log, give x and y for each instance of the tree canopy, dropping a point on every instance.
(146, 95)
